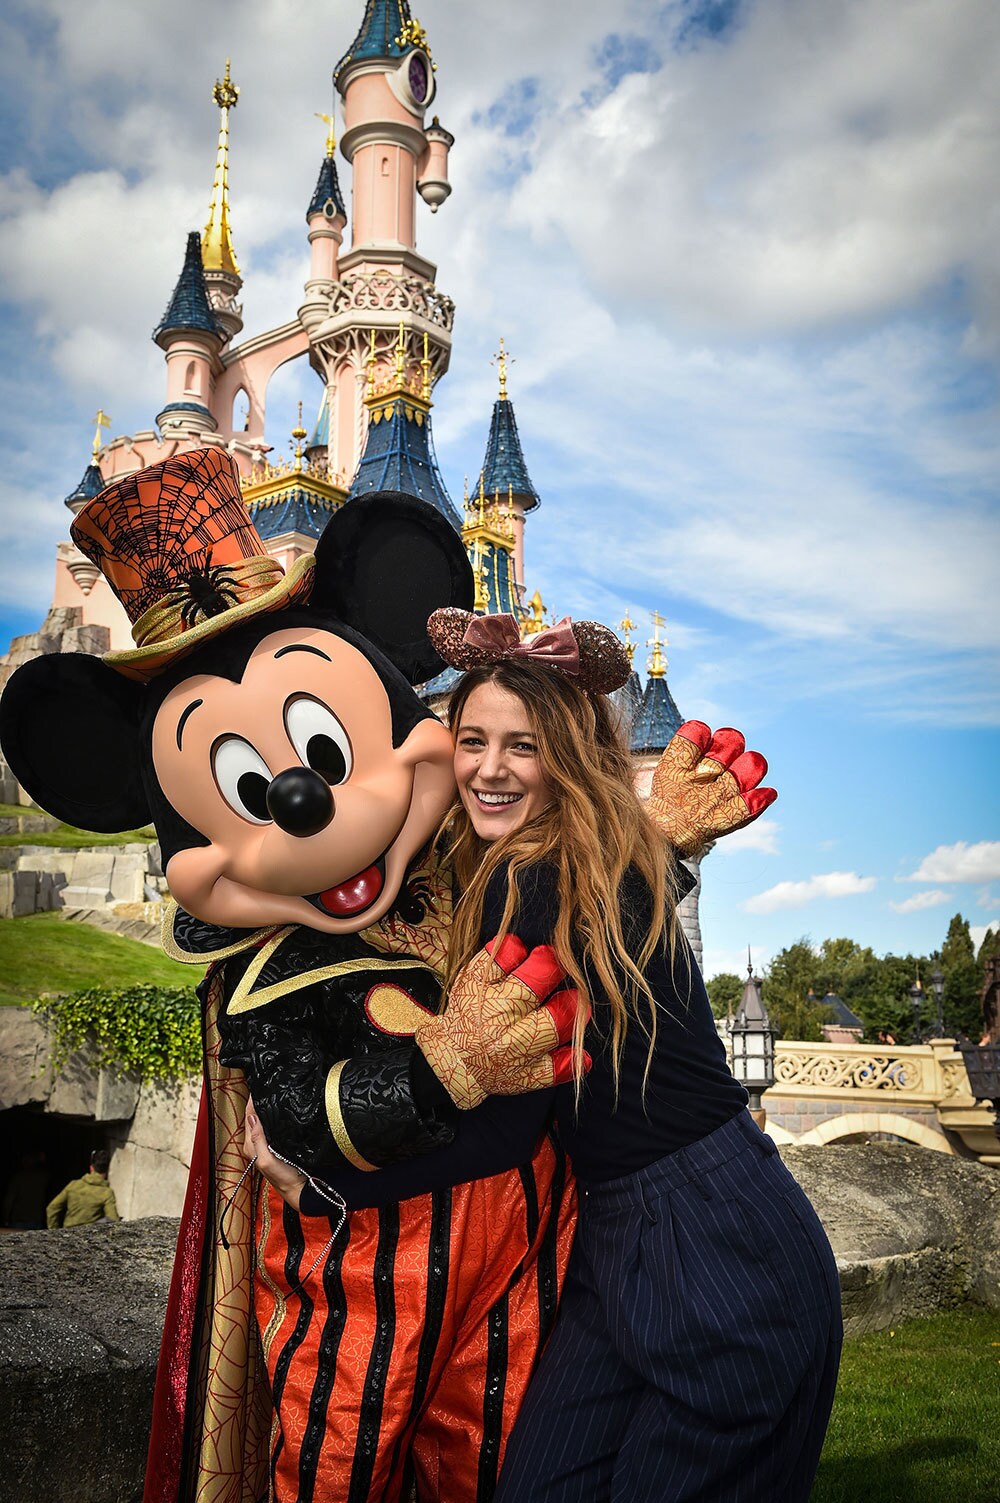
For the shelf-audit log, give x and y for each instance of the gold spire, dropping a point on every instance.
(299, 433)
(331, 138)
(216, 244)
(501, 360)
(536, 621)
(627, 625)
(103, 421)
(657, 665)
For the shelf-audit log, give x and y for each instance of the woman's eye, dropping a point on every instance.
(243, 778)
(319, 738)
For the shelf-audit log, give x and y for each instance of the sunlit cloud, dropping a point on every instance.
(798, 894)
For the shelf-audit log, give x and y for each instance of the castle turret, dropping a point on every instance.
(488, 535)
(191, 339)
(504, 470)
(327, 219)
(222, 275)
(386, 82)
(399, 452)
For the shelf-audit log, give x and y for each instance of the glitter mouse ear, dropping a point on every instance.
(585, 651)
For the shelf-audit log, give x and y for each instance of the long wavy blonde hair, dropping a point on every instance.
(591, 832)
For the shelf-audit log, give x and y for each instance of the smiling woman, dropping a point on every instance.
(500, 778)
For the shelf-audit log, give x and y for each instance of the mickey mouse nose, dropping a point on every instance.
(300, 801)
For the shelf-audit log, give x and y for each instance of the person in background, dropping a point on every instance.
(84, 1201)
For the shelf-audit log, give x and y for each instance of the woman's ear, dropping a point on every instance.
(384, 563)
(69, 727)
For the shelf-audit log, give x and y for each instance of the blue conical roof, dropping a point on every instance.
(297, 509)
(399, 456)
(658, 718)
(91, 484)
(327, 199)
(189, 307)
(378, 37)
(504, 469)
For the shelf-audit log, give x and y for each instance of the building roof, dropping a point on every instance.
(628, 699)
(90, 485)
(842, 1014)
(384, 23)
(504, 469)
(299, 508)
(399, 456)
(321, 432)
(327, 198)
(189, 307)
(658, 718)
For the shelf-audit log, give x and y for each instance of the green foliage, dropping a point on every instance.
(787, 982)
(990, 946)
(915, 1414)
(963, 979)
(152, 1031)
(724, 993)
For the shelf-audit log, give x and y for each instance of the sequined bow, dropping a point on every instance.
(499, 636)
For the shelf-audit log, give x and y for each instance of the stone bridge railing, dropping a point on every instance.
(829, 1092)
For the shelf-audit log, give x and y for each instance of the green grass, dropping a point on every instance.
(44, 953)
(916, 1415)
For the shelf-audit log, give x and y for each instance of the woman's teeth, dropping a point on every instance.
(498, 798)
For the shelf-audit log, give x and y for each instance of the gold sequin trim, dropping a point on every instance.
(335, 1117)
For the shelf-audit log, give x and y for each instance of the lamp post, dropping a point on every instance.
(937, 982)
(917, 1002)
(982, 1065)
(753, 1045)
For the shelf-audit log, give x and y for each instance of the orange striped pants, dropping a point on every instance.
(403, 1357)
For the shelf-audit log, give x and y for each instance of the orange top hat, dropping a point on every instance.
(177, 546)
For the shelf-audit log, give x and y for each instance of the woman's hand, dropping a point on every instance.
(287, 1180)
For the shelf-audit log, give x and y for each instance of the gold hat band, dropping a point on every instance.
(229, 584)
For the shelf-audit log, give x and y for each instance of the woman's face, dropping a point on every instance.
(497, 766)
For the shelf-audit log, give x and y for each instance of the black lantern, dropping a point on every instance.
(753, 1042)
(982, 1065)
(937, 982)
(917, 1002)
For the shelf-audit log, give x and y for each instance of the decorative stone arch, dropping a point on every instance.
(851, 1123)
(781, 1135)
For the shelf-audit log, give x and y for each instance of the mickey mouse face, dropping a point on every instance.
(311, 814)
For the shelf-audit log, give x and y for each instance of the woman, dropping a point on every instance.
(696, 1348)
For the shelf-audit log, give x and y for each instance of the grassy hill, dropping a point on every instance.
(44, 953)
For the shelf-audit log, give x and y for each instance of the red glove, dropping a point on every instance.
(705, 785)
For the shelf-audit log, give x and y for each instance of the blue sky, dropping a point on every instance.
(745, 256)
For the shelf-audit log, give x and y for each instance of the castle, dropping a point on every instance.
(377, 330)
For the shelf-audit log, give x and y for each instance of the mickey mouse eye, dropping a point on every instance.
(319, 738)
(243, 778)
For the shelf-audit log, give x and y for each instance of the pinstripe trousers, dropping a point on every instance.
(695, 1354)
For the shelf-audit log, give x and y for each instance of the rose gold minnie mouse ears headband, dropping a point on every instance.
(585, 651)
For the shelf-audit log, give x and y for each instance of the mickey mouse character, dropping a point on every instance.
(267, 725)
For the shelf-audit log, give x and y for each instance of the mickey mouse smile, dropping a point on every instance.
(355, 895)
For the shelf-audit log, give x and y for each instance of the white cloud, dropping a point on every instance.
(922, 900)
(980, 931)
(761, 836)
(798, 894)
(960, 862)
(717, 961)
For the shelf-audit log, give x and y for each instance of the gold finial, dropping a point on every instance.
(482, 502)
(216, 244)
(482, 599)
(400, 352)
(501, 359)
(536, 621)
(657, 665)
(425, 366)
(628, 625)
(331, 139)
(299, 433)
(103, 421)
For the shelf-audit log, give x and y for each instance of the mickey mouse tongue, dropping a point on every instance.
(354, 895)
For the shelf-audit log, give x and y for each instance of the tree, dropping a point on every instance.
(962, 979)
(724, 993)
(787, 982)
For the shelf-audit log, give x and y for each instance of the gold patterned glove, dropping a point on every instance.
(705, 786)
(497, 1035)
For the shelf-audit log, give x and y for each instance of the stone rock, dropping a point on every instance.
(128, 877)
(165, 1118)
(117, 1096)
(25, 1074)
(19, 891)
(80, 1331)
(147, 1182)
(74, 1090)
(913, 1231)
